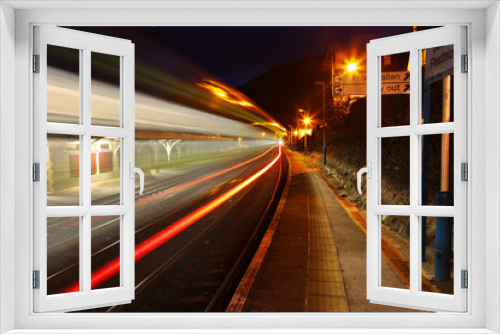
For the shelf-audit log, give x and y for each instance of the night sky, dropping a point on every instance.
(238, 54)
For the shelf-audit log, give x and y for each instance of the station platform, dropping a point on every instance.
(313, 255)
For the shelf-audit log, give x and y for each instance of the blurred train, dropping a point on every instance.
(169, 136)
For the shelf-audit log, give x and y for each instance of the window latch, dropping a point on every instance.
(368, 170)
(139, 171)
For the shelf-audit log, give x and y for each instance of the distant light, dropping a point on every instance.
(296, 133)
(352, 67)
(307, 120)
(301, 110)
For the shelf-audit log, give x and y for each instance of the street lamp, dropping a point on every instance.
(352, 67)
(339, 77)
(322, 83)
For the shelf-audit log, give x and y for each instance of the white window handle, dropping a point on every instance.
(141, 175)
(362, 171)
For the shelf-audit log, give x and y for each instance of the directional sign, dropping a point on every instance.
(354, 78)
(395, 88)
(395, 76)
(351, 83)
(354, 89)
(393, 82)
(438, 63)
(387, 77)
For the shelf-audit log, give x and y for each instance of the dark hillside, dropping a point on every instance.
(281, 90)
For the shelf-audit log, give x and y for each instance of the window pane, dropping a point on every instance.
(105, 251)
(437, 89)
(437, 269)
(63, 85)
(105, 89)
(63, 170)
(437, 169)
(395, 250)
(63, 254)
(105, 170)
(395, 167)
(395, 84)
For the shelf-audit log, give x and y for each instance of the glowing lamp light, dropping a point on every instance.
(352, 67)
(307, 120)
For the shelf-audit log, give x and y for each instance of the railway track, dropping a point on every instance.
(199, 269)
(63, 233)
(206, 283)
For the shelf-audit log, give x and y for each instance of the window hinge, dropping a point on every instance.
(464, 173)
(465, 279)
(36, 63)
(36, 172)
(36, 279)
(465, 64)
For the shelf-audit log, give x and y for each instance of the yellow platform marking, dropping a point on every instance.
(325, 284)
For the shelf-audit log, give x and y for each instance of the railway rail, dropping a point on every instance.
(199, 269)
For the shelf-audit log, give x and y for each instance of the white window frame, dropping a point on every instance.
(414, 43)
(484, 47)
(85, 43)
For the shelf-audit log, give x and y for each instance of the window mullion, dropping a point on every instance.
(414, 169)
(85, 176)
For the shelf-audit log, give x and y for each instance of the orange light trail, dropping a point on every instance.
(222, 93)
(154, 197)
(142, 201)
(147, 246)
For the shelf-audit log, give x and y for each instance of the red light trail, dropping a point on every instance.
(147, 246)
(192, 183)
(154, 197)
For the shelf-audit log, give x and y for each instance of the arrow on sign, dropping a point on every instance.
(407, 77)
(407, 87)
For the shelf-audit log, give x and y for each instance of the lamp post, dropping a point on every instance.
(302, 111)
(291, 135)
(322, 83)
(306, 121)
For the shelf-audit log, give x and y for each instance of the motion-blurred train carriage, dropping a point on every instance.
(169, 136)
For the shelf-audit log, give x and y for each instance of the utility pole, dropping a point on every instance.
(322, 83)
(444, 225)
(290, 141)
(305, 142)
